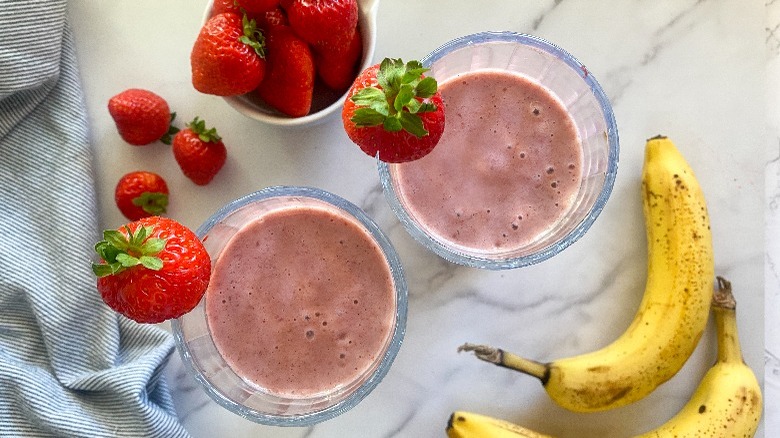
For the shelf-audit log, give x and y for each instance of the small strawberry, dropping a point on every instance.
(200, 152)
(319, 21)
(152, 270)
(289, 84)
(337, 63)
(257, 6)
(141, 194)
(142, 117)
(228, 57)
(394, 111)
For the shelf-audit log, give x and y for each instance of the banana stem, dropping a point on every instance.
(724, 306)
(509, 360)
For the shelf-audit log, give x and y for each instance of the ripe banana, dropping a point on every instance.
(727, 402)
(674, 309)
(470, 425)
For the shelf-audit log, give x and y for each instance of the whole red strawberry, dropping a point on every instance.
(337, 62)
(142, 117)
(394, 111)
(289, 84)
(227, 58)
(199, 151)
(152, 270)
(320, 21)
(141, 194)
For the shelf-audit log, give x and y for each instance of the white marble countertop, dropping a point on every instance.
(695, 70)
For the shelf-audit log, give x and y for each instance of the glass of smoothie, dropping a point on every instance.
(527, 160)
(305, 311)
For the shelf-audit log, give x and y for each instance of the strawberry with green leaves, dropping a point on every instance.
(152, 270)
(199, 151)
(140, 194)
(394, 111)
(142, 117)
(228, 57)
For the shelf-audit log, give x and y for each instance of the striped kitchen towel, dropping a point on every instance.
(69, 366)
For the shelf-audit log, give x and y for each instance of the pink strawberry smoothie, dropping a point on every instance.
(507, 167)
(301, 300)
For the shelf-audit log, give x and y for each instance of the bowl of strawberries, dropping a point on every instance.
(283, 62)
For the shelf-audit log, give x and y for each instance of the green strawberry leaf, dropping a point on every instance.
(364, 117)
(102, 269)
(153, 263)
(390, 73)
(153, 246)
(414, 106)
(106, 251)
(253, 36)
(413, 124)
(426, 108)
(392, 124)
(167, 138)
(426, 88)
(404, 96)
(115, 239)
(127, 260)
(140, 235)
(414, 70)
(373, 98)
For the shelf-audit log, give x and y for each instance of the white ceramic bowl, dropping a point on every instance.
(325, 102)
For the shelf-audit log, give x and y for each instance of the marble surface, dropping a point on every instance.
(697, 71)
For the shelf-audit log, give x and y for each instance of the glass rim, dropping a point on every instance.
(453, 255)
(384, 361)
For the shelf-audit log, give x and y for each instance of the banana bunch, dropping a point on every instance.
(727, 402)
(672, 314)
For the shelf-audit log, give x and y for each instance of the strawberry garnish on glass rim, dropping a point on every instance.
(152, 270)
(395, 111)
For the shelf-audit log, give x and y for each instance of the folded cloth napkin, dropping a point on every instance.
(69, 366)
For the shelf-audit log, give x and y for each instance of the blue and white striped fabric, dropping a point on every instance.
(69, 366)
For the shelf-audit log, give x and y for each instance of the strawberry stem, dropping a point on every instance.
(399, 99)
(154, 203)
(253, 36)
(198, 126)
(119, 251)
(172, 130)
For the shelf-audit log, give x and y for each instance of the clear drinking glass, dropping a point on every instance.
(202, 358)
(574, 85)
